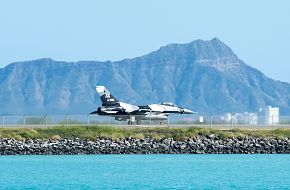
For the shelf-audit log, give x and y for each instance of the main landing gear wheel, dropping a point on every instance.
(138, 122)
(161, 123)
(130, 122)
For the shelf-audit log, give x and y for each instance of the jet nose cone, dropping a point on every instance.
(186, 111)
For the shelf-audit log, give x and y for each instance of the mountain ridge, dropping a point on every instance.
(206, 76)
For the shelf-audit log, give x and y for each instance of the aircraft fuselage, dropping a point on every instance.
(123, 111)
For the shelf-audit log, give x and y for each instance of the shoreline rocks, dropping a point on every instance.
(199, 145)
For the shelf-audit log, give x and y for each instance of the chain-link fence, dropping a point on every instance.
(120, 120)
(230, 121)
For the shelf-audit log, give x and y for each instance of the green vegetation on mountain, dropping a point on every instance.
(205, 76)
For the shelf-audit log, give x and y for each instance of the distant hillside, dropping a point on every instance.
(205, 76)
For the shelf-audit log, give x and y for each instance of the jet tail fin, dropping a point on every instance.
(106, 97)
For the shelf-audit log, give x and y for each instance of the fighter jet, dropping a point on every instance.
(127, 112)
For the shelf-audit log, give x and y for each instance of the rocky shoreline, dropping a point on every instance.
(199, 145)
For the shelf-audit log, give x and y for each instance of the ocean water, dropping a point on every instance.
(145, 172)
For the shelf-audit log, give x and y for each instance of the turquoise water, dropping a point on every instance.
(145, 172)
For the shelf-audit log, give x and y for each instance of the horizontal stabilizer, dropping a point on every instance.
(94, 112)
(110, 112)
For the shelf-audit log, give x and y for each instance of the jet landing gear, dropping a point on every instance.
(133, 119)
(138, 122)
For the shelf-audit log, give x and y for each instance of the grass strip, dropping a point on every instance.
(94, 132)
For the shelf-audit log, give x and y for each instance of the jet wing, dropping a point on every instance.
(156, 107)
(129, 107)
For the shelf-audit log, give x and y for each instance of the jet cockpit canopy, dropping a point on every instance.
(168, 104)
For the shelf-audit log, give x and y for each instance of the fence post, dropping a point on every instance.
(272, 120)
(252, 120)
(110, 119)
(24, 120)
(89, 120)
(150, 118)
(45, 120)
(3, 121)
(66, 119)
(210, 121)
(232, 120)
(168, 121)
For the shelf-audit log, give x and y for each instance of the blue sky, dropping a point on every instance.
(257, 31)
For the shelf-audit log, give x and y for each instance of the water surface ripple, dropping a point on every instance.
(145, 172)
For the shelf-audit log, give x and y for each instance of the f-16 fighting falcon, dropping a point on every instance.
(131, 113)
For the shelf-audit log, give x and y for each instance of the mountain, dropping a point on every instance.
(205, 76)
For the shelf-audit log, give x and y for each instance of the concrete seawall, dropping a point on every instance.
(199, 145)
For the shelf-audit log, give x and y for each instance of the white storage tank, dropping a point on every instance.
(270, 115)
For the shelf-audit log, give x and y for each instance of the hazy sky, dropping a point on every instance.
(258, 31)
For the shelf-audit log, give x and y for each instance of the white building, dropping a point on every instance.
(269, 115)
(241, 118)
(248, 118)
